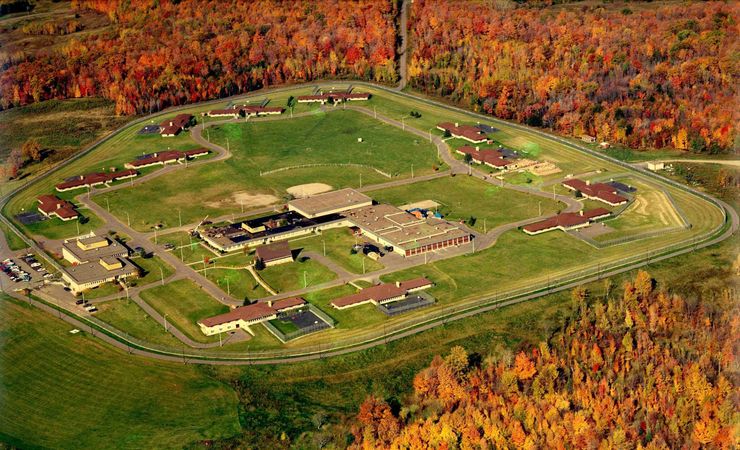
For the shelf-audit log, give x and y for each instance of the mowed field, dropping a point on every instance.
(60, 390)
(236, 184)
(462, 197)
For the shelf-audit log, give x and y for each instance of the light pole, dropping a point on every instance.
(305, 282)
(128, 218)
(179, 216)
(430, 135)
(228, 286)
(161, 274)
(165, 322)
(323, 242)
(107, 204)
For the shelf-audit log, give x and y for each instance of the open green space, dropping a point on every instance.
(104, 290)
(303, 272)
(187, 248)
(14, 241)
(284, 326)
(127, 316)
(185, 304)
(338, 245)
(60, 390)
(257, 147)
(462, 198)
(154, 268)
(238, 283)
(54, 228)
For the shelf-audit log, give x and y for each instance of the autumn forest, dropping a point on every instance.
(643, 75)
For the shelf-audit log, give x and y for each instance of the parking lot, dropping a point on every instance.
(23, 271)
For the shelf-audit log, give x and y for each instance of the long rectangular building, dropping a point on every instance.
(406, 233)
(468, 132)
(245, 316)
(566, 221)
(382, 293)
(94, 179)
(596, 191)
(329, 203)
(165, 157)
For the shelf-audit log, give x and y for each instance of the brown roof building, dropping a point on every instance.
(165, 157)
(95, 179)
(383, 293)
(468, 132)
(567, 221)
(172, 127)
(490, 157)
(244, 316)
(52, 206)
(275, 253)
(596, 191)
(333, 96)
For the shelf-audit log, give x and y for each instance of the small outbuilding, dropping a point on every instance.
(274, 254)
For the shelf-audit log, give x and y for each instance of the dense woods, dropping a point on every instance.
(643, 75)
(649, 370)
(165, 53)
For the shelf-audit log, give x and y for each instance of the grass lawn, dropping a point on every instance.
(152, 273)
(72, 391)
(239, 282)
(104, 290)
(324, 138)
(284, 326)
(185, 304)
(58, 229)
(187, 248)
(339, 242)
(462, 197)
(14, 241)
(292, 276)
(127, 316)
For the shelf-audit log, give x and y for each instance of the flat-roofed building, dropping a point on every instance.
(92, 248)
(243, 317)
(406, 233)
(382, 293)
(82, 277)
(274, 254)
(333, 202)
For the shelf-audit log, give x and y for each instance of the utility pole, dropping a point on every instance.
(161, 274)
(324, 243)
(128, 219)
(208, 135)
(78, 227)
(360, 180)
(403, 123)
(412, 171)
(430, 135)
(107, 204)
(165, 322)
(305, 281)
(485, 229)
(228, 286)
(179, 216)
(539, 208)
(155, 235)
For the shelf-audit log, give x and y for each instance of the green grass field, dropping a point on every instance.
(72, 391)
(296, 275)
(462, 197)
(187, 248)
(155, 269)
(338, 243)
(14, 241)
(126, 315)
(323, 138)
(185, 304)
(238, 282)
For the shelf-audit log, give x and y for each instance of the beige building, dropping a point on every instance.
(333, 202)
(95, 260)
(245, 316)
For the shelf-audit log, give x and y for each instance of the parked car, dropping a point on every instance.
(79, 302)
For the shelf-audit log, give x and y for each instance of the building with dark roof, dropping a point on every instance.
(274, 254)
(596, 191)
(172, 127)
(244, 316)
(336, 97)
(382, 293)
(53, 206)
(94, 179)
(566, 221)
(165, 157)
(468, 132)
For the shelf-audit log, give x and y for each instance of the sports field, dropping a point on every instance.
(236, 184)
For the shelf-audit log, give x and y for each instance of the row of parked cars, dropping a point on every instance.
(17, 274)
(89, 307)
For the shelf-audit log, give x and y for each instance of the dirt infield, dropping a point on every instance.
(246, 199)
(424, 204)
(306, 190)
